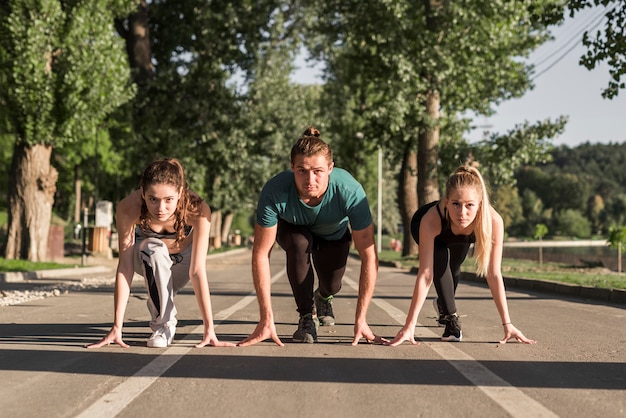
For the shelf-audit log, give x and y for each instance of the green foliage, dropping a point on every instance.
(572, 223)
(540, 231)
(220, 99)
(598, 164)
(525, 145)
(386, 59)
(588, 179)
(562, 274)
(617, 236)
(29, 38)
(607, 45)
(614, 212)
(507, 202)
(25, 265)
(595, 207)
(64, 68)
(6, 152)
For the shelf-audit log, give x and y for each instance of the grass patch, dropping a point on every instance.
(593, 277)
(599, 277)
(25, 265)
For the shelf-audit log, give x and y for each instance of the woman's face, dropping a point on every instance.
(462, 205)
(161, 201)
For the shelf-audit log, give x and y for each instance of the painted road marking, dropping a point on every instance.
(511, 399)
(122, 395)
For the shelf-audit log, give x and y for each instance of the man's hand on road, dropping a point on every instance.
(263, 331)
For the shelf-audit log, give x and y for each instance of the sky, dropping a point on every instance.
(562, 87)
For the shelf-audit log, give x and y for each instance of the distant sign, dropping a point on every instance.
(104, 213)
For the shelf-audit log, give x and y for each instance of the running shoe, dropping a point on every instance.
(162, 337)
(307, 330)
(324, 309)
(452, 332)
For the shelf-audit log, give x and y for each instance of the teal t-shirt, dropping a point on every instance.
(344, 202)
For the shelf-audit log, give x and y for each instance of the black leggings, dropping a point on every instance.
(444, 279)
(329, 259)
(449, 253)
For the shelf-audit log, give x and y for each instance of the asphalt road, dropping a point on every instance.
(577, 368)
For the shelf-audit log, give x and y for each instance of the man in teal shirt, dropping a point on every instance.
(307, 211)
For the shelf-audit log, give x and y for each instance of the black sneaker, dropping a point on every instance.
(440, 318)
(324, 310)
(307, 330)
(453, 329)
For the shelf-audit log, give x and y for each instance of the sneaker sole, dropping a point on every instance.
(308, 339)
(151, 343)
(326, 321)
(452, 339)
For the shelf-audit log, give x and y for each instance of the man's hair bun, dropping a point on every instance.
(311, 131)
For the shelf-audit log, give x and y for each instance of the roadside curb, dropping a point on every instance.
(566, 289)
(74, 272)
(24, 276)
(617, 296)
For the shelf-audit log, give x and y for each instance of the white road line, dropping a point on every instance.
(511, 399)
(123, 394)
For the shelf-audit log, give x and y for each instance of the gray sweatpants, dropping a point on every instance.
(164, 274)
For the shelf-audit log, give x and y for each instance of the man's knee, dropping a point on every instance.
(297, 243)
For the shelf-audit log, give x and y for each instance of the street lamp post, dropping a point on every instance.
(380, 199)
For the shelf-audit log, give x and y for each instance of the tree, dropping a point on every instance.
(617, 239)
(506, 200)
(424, 63)
(214, 62)
(614, 212)
(525, 145)
(540, 231)
(607, 45)
(63, 72)
(572, 222)
(595, 206)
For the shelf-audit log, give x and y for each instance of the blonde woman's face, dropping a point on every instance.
(462, 205)
(161, 201)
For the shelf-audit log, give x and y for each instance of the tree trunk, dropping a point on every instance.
(216, 229)
(407, 197)
(427, 154)
(137, 35)
(32, 184)
(77, 195)
(227, 221)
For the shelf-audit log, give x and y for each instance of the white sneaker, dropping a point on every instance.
(162, 337)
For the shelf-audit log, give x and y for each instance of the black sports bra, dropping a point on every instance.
(446, 236)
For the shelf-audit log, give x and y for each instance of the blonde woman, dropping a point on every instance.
(444, 231)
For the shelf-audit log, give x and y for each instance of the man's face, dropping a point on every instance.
(311, 176)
